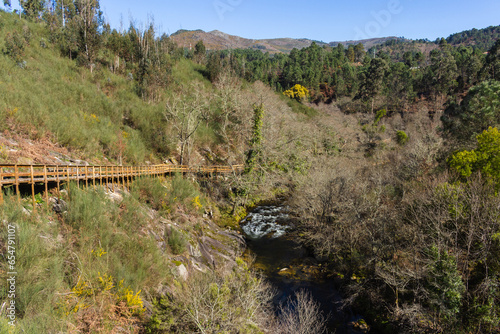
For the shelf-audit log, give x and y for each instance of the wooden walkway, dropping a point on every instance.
(111, 176)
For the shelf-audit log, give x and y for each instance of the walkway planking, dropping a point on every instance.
(14, 175)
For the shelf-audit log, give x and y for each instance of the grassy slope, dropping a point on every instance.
(98, 114)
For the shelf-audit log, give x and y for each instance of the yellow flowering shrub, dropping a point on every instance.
(85, 293)
(196, 202)
(92, 118)
(99, 252)
(297, 92)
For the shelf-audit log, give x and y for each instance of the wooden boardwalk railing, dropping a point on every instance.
(111, 176)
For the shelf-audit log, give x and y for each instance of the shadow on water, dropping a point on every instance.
(289, 267)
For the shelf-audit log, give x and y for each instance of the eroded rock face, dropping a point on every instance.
(182, 271)
(207, 249)
(58, 205)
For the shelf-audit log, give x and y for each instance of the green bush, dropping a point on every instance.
(177, 242)
(379, 115)
(150, 191)
(485, 158)
(182, 189)
(401, 138)
(14, 46)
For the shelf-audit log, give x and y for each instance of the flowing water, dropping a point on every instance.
(289, 267)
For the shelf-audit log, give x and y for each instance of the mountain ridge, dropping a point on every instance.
(218, 40)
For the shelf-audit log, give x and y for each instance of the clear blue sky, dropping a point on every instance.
(325, 20)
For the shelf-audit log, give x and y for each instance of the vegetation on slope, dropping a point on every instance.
(398, 197)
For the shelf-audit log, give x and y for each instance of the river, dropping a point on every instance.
(289, 267)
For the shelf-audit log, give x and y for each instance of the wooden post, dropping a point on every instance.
(86, 177)
(1, 189)
(93, 176)
(77, 176)
(16, 175)
(129, 176)
(67, 174)
(123, 177)
(107, 181)
(33, 188)
(100, 175)
(113, 178)
(46, 186)
(58, 181)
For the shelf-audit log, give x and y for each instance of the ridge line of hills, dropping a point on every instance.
(218, 40)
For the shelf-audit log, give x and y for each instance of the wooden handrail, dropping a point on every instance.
(11, 174)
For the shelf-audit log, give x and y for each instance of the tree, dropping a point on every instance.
(256, 140)
(65, 10)
(372, 80)
(86, 25)
(32, 8)
(479, 110)
(301, 315)
(408, 59)
(485, 158)
(445, 285)
(491, 68)
(359, 52)
(199, 52)
(186, 112)
(227, 98)
(351, 54)
(443, 71)
(469, 64)
(399, 86)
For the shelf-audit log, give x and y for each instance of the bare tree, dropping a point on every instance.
(186, 113)
(302, 316)
(228, 98)
(225, 301)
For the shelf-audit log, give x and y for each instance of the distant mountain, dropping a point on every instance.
(482, 38)
(369, 43)
(218, 40)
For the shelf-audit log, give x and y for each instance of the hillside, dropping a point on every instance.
(481, 38)
(217, 40)
(386, 163)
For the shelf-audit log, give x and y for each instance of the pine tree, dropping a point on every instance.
(32, 8)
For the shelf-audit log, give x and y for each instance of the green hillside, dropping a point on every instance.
(387, 161)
